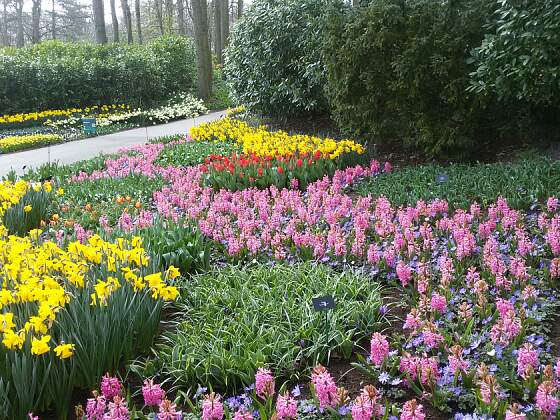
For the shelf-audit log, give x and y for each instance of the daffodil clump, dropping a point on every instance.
(261, 142)
(39, 279)
(60, 113)
(14, 143)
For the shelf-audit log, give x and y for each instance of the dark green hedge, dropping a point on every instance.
(54, 75)
(400, 69)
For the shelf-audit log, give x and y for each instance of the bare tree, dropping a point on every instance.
(169, 16)
(53, 19)
(5, 40)
(218, 47)
(19, 21)
(225, 24)
(99, 22)
(115, 21)
(159, 15)
(204, 59)
(127, 20)
(138, 21)
(239, 8)
(181, 17)
(36, 21)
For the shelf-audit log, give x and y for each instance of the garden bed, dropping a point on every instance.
(473, 287)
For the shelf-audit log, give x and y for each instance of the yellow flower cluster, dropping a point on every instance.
(266, 143)
(59, 113)
(38, 278)
(41, 275)
(14, 143)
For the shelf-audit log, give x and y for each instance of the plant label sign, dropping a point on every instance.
(323, 303)
(442, 179)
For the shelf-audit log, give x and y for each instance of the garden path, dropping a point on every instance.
(84, 149)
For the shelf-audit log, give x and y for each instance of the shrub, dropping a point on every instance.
(519, 60)
(273, 62)
(54, 75)
(235, 320)
(399, 69)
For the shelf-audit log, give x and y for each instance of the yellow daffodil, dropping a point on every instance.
(40, 346)
(64, 351)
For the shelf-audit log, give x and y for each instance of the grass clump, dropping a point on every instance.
(234, 320)
(521, 182)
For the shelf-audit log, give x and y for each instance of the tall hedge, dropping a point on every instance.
(54, 75)
(273, 61)
(400, 69)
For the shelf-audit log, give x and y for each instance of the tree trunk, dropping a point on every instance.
(355, 3)
(127, 20)
(5, 40)
(115, 21)
(159, 15)
(169, 16)
(218, 48)
(36, 22)
(204, 58)
(239, 8)
(225, 25)
(53, 20)
(19, 20)
(99, 21)
(181, 17)
(138, 21)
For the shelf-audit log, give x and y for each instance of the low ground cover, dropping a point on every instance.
(477, 281)
(237, 319)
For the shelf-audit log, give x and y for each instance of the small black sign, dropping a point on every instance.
(323, 303)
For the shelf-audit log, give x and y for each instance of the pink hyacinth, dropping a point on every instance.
(362, 408)
(242, 415)
(557, 368)
(527, 360)
(387, 167)
(117, 410)
(552, 204)
(546, 399)
(264, 383)
(404, 273)
(110, 386)
(514, 413)
(325, 387)
(412, 411)
(286, 407)
(95, 407)
(212, 407)
(153, 393)
(168, 411)
(379, 349)
(438, 302)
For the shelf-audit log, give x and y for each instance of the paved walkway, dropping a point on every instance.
(85, 149)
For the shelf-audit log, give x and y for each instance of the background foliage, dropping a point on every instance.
(55, 75)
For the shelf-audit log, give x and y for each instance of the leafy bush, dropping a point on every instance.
(54, 75)
(273, 62)
(519, 60)
(521, 182)
(399, 69)
(237, 319)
